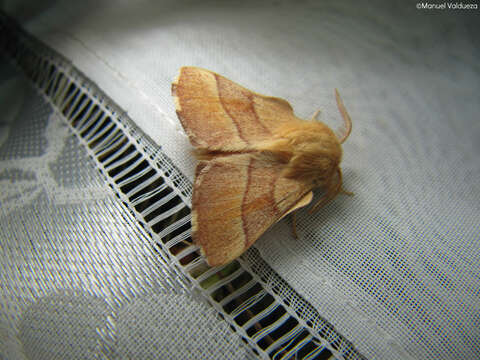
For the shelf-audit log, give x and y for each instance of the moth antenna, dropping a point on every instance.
(344, 131)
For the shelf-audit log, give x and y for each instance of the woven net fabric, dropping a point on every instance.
(391, 272)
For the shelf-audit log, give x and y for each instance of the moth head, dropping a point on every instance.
(312, 153)
(310, 149)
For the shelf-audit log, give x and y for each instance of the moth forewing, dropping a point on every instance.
(259, 161)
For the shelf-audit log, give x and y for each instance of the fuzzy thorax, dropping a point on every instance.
(310, 150)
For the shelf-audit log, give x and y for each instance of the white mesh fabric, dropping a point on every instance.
(395, 268)
(135, 338)
(63, 326)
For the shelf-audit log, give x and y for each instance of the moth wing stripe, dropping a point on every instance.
(201, 113)
(244, 203)
(249, 111)
(254, 203)
(214, 221)
(257, 117)
(227, 111)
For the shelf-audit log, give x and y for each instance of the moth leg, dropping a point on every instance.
(315, 115)
(332, 191)
(322, 202)
(294, 225)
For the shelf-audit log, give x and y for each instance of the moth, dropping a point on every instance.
(257, 163)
